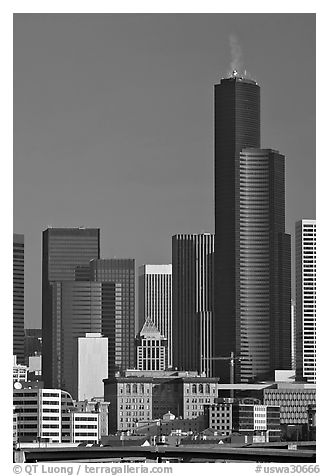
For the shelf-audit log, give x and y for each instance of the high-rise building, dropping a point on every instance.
(32, 343)
(18, 297)
(155, 300)
(80, 313)
(151, 348)
(119, 272)
(193, 301)
(249, 209)
(64, 249)
(306, 300)
(263, 290)
(293, 334)
(92, 366)
(237, 125)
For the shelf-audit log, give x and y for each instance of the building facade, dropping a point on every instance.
(18, 297)
(19, 371)
(63, 251)
(39, 413)
(80, 313)
(293, 400)
(293, 334)
(151, 348)
(306, 300)
(119, 272)
(92, 365)
(261, 421)
(237, 126)
(155, 300)
(147, 395)
(49, 415)
(193, 302)
(263, 318)
(252, 259)
(218, 416)
(32, 343)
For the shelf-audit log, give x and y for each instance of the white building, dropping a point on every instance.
(306, 300)
(293, 334)
(38, 414)
(49, 415)
(92, 365)
(19, 371)
(84, 427)
(151, 348)
(155, 300)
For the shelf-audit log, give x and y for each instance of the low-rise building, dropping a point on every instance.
(147, 395)
(218, 416)
(19, 371)
(101, 408)
(260, 421)
(84, 427)
(293, 400)
(50, 415)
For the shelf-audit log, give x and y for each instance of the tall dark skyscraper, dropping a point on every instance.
(18, 297)
(263, 339)
(64, 250)
(237, 125)
(245, 217)
(192, 298)
(121, 332)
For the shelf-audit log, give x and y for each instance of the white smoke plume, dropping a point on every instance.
(236, 54)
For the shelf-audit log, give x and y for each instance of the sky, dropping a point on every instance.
(113, 124)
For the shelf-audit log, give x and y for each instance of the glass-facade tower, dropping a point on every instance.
(63, 251)
(18, 297)
(252, 251)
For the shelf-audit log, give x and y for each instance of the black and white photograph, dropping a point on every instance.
(164, 242)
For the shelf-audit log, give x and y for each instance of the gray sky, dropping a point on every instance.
(113, 124)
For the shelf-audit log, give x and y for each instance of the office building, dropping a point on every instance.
(251, 310)
(32, 343)
(35, 368)
(293, 399)
(151, 348)
(263, 340)
(84, 427)
(245, 417)
(293, 334)
(49, 415)
(39, 414)
(80, 313)
(63, 250)
(193, 301)
(218, 416)
(18, 297)
(147, 395)
(306, 300)
(237, 125)
(119, 272)
(92, 366)
(260, 421)
(97, 406)
(155, 300)
(19, 371)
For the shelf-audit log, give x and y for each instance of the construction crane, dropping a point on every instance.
(232, 358)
